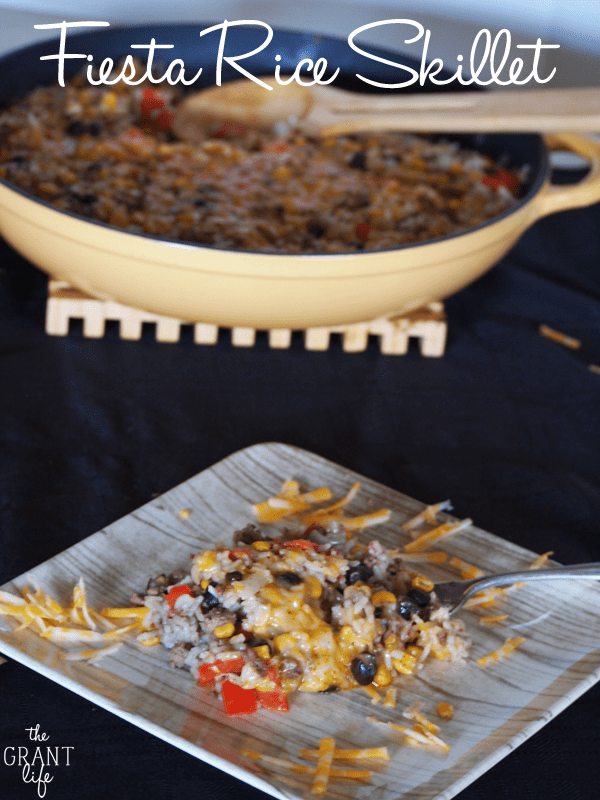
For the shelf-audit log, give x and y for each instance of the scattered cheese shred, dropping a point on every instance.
(541, 561)
(92, 655)
(325, 757)
(414, 713)
(303, 769)
(390, 697)
(76, 623)
(431, 558)
(415, 736)
(485, 598)
(351, 755)
(372, 692)
(467, 571)
(493, 620)
(428, 514)
(501, 652)
(425, 539)
(290, 502)
(560, 338)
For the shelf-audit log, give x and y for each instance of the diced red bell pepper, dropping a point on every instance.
(175, 592)
(150, 101)
(363, 229)
(300, 544)
(238, 700)
(238, 553)
(222, 666)
(501, 177)
(273, 699)
(164, 121)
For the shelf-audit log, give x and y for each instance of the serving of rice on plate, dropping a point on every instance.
(319, 612)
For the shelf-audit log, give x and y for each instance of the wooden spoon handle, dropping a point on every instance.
(539, 110)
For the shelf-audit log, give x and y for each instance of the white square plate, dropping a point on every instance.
(496, 708)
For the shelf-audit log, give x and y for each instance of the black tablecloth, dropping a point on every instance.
(506, 424)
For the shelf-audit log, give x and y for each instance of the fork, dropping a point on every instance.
(453, 594)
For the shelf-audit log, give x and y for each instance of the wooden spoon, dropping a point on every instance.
(326, 110)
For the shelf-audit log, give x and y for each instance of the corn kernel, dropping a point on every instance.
(261, 545)
(347, 633)
(383, 677)
(110, 100)
(383, 597)
(405, 665)
(224, 631)
(204, 583)
(282, 173)
(206, 560)
(262, 650)
(414, 650)
(313, 586)
(421, 582)
(271, 594)
(445, 710)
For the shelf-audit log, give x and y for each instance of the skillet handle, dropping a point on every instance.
(586, 192)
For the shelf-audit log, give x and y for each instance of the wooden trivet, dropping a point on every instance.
(426, 324)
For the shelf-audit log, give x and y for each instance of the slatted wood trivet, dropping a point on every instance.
(426, 324)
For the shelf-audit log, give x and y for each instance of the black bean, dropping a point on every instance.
(421, 598)
(378, 612)
(361, 572)
(256, 641)
(76, 128)
(199, 202)
(316, 230)
(288, 578)
(236, 575)
(364, 668)
(209, 603)
(407, 607)
(358, 161)
(94, 129)
(17, 159)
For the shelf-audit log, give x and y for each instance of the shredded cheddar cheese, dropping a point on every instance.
(428, 514)
(325, 757)
(74, 624)
(425, 539)
(289, 502)
(501, 652)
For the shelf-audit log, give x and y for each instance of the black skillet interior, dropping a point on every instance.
(22, 70)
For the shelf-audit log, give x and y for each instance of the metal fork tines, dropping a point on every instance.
(454, 593)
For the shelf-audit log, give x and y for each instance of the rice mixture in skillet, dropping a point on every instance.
(108, 154)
